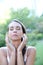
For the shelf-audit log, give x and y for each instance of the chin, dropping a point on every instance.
(14, 39)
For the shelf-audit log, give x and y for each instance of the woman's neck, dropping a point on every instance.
(16, 43)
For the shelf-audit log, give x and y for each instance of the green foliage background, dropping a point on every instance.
(34, 27)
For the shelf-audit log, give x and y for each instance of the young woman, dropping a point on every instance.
(16, 52)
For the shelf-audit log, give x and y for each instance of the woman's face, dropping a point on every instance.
(15, 31)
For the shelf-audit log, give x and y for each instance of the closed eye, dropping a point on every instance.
(17, 28)
(11, 28)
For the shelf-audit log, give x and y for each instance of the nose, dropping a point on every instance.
(14, 31)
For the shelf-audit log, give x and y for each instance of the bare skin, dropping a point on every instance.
(15, 46)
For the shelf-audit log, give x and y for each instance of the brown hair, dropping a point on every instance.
(15, 20)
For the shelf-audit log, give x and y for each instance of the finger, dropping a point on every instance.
(24, 38)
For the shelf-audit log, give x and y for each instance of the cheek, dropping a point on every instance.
(20, 34)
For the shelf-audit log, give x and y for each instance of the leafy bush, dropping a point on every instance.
(39, 53)
(2, 40)
(39, 36)
(34, 36)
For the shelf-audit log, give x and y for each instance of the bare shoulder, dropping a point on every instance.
(3, 57)
(3, 50)
(31, 50)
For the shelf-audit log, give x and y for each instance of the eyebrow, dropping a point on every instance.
(16, 26)
(11, 26)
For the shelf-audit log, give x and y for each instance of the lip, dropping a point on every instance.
(14, 35)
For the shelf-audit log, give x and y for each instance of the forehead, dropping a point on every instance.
(14, 24)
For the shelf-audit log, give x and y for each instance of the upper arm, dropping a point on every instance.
(3, 60)
(31, 56)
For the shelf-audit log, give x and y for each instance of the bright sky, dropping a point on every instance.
(37, 5)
